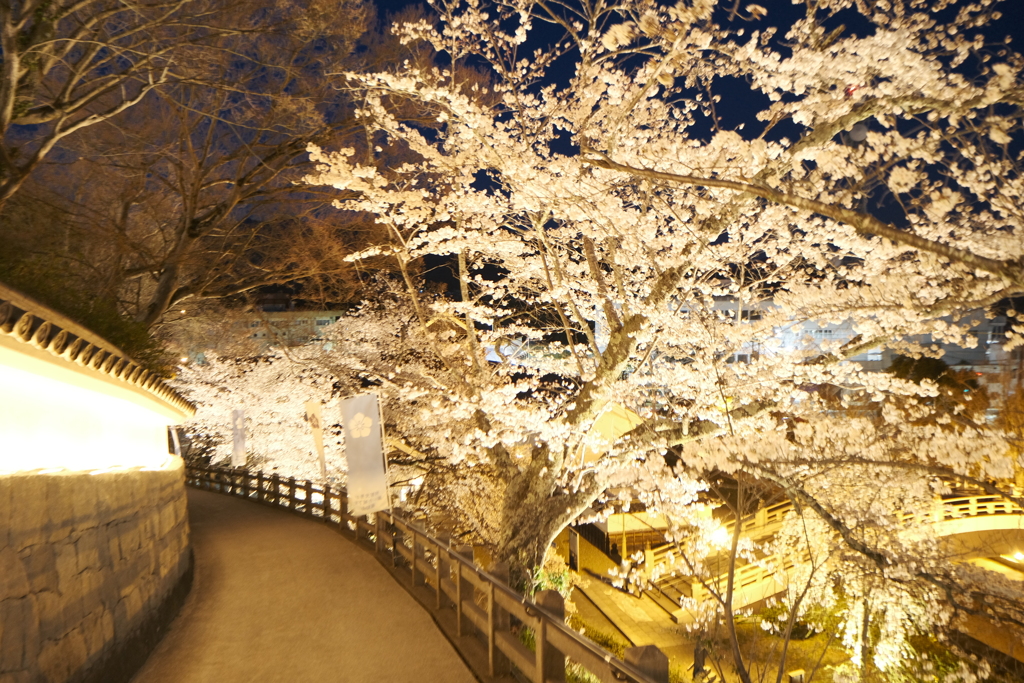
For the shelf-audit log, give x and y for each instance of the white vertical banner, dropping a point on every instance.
(174, 440)
(364, 450)
(238, 438)
(314, 416)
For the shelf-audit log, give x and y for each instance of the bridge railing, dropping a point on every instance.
(483, 604)
(765, 522)
(974, 506)
(755, 581)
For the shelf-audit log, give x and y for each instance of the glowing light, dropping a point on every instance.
(1019, 557)
(169, 462)
(49, 425)
(184, 359)
(720, 537)
(613, 422)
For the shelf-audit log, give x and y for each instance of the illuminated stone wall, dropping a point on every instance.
(92, 568)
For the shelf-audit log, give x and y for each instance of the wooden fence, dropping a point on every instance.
(486, 610)
(767, 521)
(754, 582)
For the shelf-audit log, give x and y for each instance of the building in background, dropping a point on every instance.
(275, 320)
(285, 328)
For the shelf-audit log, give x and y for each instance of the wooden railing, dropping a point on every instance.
(765, 522)
(483, 604)
(751, 583)
(757, 581)
(974, 506)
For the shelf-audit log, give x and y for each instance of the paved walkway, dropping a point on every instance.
(278, 598)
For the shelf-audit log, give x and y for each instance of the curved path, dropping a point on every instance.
(277, 598)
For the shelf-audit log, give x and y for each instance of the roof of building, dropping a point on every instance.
(26, 323)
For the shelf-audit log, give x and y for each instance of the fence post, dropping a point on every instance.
(650, 661)
(259, 487)
(291, 493)
(342, 513)
(381, 525)
(497, 622)
(442, 567)
(463, 588)
(418, 579)
(308, 487)
(550, 662)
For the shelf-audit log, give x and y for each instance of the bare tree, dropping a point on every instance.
(70, 65)
(197, 192)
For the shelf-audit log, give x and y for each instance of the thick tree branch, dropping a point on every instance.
(1011, 271)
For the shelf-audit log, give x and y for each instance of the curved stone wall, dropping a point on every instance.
(93, 566)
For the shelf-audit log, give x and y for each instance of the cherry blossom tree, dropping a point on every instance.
(353, 356)
(273, 391)
(619, 241)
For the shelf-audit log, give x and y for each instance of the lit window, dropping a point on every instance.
(997, 333)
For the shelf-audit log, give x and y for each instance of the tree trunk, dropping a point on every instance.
(524, 541)
(534, 512)
(167, 283)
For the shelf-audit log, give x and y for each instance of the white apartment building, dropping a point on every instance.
(285, 328)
